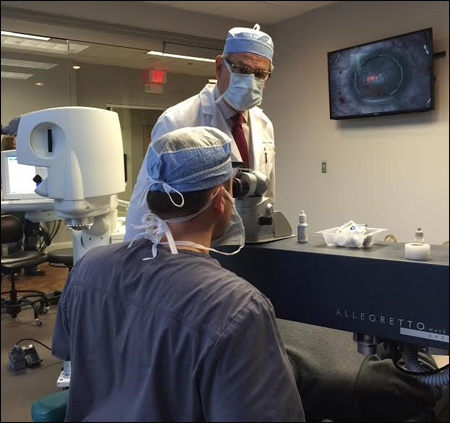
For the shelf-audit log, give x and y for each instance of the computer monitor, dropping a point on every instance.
(17, 179)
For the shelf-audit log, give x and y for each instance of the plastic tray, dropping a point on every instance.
(350, 240)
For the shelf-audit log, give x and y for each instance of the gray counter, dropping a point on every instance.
(374, 291)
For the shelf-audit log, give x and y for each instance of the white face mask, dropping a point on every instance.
(244, 91)
(156, 228)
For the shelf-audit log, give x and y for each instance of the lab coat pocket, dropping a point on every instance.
(268, 163)
(269, 154)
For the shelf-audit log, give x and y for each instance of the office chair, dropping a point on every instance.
(12, 233)
(62, 257)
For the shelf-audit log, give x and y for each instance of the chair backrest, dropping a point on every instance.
(12, 229)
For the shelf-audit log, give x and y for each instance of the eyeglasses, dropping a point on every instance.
(245, 70)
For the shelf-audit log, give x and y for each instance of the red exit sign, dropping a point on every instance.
(154, 76)
(158, 76)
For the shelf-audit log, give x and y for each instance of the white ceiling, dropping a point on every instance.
(262, 12)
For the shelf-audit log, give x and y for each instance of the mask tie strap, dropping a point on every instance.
(155, 230)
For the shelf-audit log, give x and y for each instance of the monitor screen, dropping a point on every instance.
(17, 179)
(383, 77)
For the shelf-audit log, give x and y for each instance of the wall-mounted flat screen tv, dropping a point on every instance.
(384, 77)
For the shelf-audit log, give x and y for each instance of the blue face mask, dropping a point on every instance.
(244, 91)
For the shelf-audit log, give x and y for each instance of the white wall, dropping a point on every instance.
(390, 172)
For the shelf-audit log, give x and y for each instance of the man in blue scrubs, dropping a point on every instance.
(157, 330)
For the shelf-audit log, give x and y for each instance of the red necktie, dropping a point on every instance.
(239, 137)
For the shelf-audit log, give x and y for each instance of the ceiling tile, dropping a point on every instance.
(262, 12)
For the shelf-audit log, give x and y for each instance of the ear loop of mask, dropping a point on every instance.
(231, 73)
(202, 247)
(194, 215)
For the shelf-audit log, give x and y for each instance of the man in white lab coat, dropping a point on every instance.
(242, 72)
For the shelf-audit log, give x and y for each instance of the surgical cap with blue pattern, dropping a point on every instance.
(189, 159)
(247, 40)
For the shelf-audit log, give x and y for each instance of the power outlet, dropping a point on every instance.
(324, 166)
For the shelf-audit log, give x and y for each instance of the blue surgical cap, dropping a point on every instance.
(246, 40)
(12, 127)
(189, 159)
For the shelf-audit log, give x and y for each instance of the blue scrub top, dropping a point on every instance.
(176, 338)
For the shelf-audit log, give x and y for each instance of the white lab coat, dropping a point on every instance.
(202, 110)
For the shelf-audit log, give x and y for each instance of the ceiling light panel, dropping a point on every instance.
(17, 34)
(179, 56)
(27, 64)
(45, 46)
(16, 75)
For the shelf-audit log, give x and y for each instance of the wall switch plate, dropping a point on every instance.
(324, 166)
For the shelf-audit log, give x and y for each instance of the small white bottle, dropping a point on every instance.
(419, 238)
(302, 229)
(418, 250)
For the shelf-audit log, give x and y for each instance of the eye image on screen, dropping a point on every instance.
(384, 77)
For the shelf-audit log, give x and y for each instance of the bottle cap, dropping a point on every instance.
(302, 217)
(419, 239)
